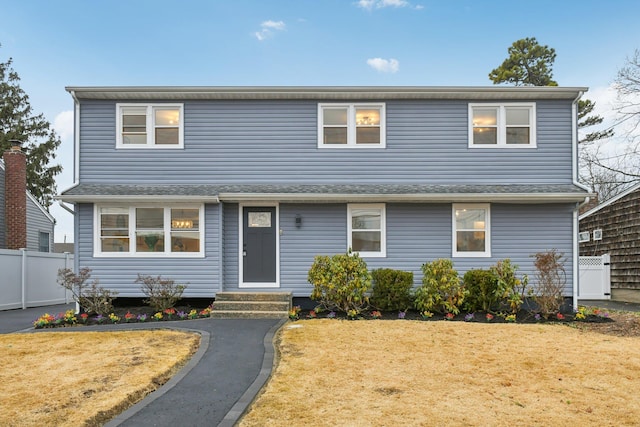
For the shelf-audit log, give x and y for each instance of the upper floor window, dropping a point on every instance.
(367, 229)
(502, 125)
(149, 230)
(471, 230)
(351, 125)
(149, 125)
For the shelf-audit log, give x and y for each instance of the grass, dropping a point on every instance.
(84, 378)
(388, 373)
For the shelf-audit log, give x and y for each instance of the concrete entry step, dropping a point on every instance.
(265, 305)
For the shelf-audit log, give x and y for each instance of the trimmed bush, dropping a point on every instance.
(551, 279)
(89, 295)
(161, 293)
(392, 289)
(441, 289)
(482, 288)
(511, 290)
(340, 282)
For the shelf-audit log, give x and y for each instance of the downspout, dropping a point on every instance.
(76, 138)
(576, 210)
(76, 179)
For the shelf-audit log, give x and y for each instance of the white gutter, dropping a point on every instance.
(425, 197)
(132, 198)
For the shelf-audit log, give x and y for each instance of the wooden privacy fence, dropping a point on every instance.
(28, 278)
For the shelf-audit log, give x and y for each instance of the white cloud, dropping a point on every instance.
(267, 29)
(379, 4)
(63, 125)
(384, 65)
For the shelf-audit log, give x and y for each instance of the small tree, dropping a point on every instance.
(340, 282)
(161, 293)
(551, 279)
(441, 288)
(91, 297)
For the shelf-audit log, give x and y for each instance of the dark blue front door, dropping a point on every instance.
(259, 245)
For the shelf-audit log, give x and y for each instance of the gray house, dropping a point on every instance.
(30, 224)
(237, 188)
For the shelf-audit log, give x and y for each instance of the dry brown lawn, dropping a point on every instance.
(389, 373)
(84, 378)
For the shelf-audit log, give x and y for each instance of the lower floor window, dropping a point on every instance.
(43, 241)
(150, 230)
(471, 232)
(367, 229)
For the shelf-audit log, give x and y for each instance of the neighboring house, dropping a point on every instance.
(613, 228)
(239, 188)
(24, 223)
(63, 247)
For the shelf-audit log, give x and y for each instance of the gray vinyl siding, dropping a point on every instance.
(230, 249)
(200, 275)
(37, 222)
(235, 142)
(416, 233)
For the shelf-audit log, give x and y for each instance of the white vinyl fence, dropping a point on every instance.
(595, 277)
(28, 279)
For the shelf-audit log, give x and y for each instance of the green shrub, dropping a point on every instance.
(340, 282)
(441, 289)
(392, 289)
(161, 293)
(510, 289)
(89, 295)
(482, 290)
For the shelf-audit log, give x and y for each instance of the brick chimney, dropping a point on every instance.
(15, 196)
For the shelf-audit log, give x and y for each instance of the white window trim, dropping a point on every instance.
(501, 125)
(597, 234)
(383, 228)
(150, 127)
(487, 228)
(351, 125)
(97, 246)
(583, 236)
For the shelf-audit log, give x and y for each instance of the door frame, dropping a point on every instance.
(241, 283)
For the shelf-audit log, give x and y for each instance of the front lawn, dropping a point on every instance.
(84, 378)
(401, 372)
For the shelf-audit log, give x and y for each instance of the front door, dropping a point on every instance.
(259, 246)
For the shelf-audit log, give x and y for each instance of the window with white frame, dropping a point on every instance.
(149, 126)
(43, 241)
(351, 125)
(471, 230)
(149, 230)
(367, 229)
(502, 125)
(583, 236)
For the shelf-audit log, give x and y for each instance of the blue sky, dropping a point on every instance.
(298, 42)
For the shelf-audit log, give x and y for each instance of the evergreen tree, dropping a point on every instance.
(528, 64)
(18, 121)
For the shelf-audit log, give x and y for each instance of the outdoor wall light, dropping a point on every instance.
(298, 221)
